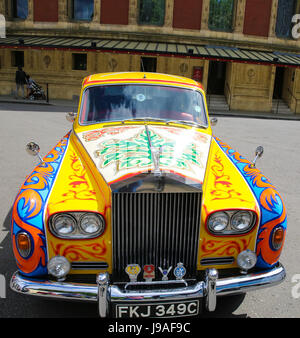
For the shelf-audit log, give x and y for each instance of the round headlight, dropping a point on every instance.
(246, 259)
(64, 224)
(59, 267)
(218, 221)
(241, 221)
(92, 224)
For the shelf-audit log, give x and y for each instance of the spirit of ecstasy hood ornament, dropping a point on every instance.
(155, 154)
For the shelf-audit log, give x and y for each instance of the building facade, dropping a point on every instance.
(240, 49)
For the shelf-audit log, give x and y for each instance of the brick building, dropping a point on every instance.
(242, 50)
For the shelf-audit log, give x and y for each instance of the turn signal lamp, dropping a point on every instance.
(24, 244)
(277, 238)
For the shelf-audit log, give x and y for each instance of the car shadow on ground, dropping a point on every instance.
(226, 306)
(59, 108)
(21, 306)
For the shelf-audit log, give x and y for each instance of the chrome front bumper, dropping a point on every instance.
(106, 294)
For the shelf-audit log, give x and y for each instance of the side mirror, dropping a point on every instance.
(258, 154)
(259, 151)
(33, 149)
(71, 117)
(213, 121)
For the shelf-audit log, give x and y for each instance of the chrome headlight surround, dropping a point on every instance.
(218, 222)
(81, 230)
(239, 222)
(63, 225)
(92, 224)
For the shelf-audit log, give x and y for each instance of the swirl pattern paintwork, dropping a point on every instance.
(29, 207)
(272, 208)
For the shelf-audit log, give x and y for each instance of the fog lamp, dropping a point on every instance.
(246, 260)
(59, 267)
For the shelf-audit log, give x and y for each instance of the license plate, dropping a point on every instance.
(158, 310)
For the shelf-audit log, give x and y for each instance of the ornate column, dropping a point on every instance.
(239, 16)
(205, 14)
(2, 8)
(63, 8)
(97, 11)
(30, 11)
(133, 12)
(273, 19)
(169, 13)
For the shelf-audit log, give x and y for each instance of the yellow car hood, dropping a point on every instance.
(120, 152)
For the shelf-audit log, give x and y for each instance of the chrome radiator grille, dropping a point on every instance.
(155, 228)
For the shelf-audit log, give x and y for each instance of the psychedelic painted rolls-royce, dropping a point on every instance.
(141, 209)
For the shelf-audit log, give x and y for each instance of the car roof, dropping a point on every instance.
(145, 77)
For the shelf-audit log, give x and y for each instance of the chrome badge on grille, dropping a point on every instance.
(133, 271)
(179, 271)
(165, 272)
(149, 272)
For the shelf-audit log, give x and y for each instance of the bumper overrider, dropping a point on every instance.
(136, 300)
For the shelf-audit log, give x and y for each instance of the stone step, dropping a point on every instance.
(217, 102)
(280, 107)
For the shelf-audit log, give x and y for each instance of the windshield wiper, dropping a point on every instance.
(155, 119)
(190, 123)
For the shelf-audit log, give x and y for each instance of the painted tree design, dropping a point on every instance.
(135, 152)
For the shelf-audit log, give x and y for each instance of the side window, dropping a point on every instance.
(152, 12)
(221, 14)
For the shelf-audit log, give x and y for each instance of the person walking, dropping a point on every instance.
(20, 81)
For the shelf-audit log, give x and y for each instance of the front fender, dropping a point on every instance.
(272, 209)
(28, 210)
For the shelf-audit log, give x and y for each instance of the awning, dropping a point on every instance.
(221, 53)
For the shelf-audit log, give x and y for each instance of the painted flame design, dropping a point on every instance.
(273, 211)
(74, 252)
(224, 248)
(28, 210)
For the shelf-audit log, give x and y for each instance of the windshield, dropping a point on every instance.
(126, 102)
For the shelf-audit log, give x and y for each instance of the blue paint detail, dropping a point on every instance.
(276, 205)
(26, 210)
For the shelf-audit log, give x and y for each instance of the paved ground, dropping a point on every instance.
(21, 123)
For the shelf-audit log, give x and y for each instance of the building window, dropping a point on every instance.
(221, 13)
(286, 10)
(19, 9)
(79, 61)
(152, 12)
(82, 10)
(148, 64)
(17, 59)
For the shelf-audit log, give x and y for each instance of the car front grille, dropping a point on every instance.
(155, 228)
